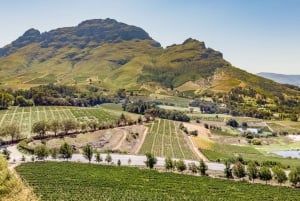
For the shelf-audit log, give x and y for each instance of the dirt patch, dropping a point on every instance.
(124, 139)
(202, 131)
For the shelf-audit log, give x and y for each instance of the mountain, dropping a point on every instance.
(112, 55)
(281, 78)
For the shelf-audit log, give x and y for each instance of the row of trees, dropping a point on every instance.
(60, 95)
(150, 108)
(264, 173)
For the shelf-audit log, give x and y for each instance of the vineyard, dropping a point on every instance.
(26, 116)
(165, 139)
(77, 181)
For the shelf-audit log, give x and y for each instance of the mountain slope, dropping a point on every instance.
(281, 78)
(113, 55)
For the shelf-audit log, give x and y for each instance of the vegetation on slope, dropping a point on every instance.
(62, 181)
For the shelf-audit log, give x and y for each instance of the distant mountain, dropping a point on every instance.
(109, 54)
(282, 78)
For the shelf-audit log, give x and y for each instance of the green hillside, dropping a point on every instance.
(113, 55)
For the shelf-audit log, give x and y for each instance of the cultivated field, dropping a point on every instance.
(26, 116)
(165, 139)
(77, 181)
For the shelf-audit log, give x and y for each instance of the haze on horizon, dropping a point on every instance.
(257, 35)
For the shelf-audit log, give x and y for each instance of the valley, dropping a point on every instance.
(86, 110)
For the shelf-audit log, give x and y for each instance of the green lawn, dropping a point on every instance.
(77, 181)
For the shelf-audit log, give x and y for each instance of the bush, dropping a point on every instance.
(256, 141)
(23, 145)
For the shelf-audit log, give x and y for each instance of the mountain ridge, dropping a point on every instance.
(282, 78)
(113, 55)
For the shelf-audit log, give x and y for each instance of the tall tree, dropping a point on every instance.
(180, 165)
(88, 152)
(41, 152)
(66, 151)
(169, 164)
(294, 176)
(265, 174)
(202, 167)
(6, 100)
(12, 130)
(228, 169)
(252, 171)
(150, 160)
(239, 170)
(55, 126)
(68, 124)
(108, 158)
(40, 127)
(98, 157)
(279, 174)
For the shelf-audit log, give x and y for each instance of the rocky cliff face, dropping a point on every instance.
(88, 33)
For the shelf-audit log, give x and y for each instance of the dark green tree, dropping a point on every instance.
(66, 151)
(169, 164)
(40, 128)
(88, 152)
(150, 160)
(228, 170)
(202, 167)
(41, 152)
(252, 171)
(180, 165)
(279, 174)
(265, 174)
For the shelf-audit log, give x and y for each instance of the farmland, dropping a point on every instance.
(65, 180)
(165, 139)
(25, 117)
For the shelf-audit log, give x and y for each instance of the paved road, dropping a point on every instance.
(136, 160)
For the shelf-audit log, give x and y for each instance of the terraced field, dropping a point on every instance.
(26, 116)
(165, 139)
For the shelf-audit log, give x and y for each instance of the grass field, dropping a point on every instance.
(77, 181)
(25, 117)
(220, 151)
(165, 139)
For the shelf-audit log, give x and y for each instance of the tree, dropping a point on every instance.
(119, 162)
(66, 151)
(98, 157)
(54, 153)
(41, 152)
(265, 174)
(12, 130)
(279, 174)
(233, 123)
(193, 167)
(108, 158)
(5, 100)
(228, 169)
(40, 128)
(55, 126)
(93, 124)
(202, 167)
(294, 176)
(88, 152)
(6, 153)
(169, 164)
(252, 171)
(180, 165)
(239, 170)
(150, 161)
(68, 125)
(129, 161)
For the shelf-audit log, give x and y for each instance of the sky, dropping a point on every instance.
(255, 35)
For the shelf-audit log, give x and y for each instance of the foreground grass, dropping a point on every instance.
(77, 181)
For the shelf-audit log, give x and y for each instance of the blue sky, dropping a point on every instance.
(255, 35)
